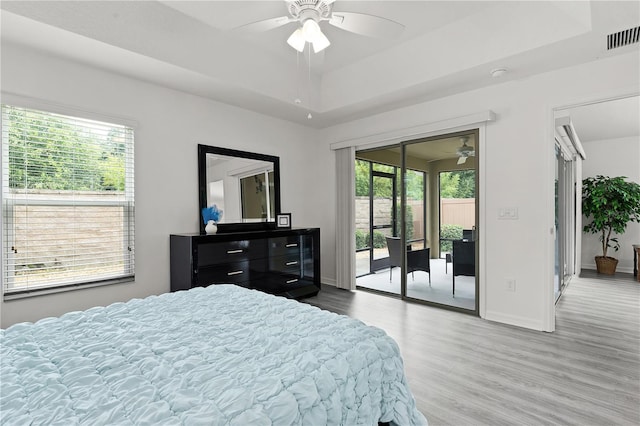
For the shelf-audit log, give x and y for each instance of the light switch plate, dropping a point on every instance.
(508, 213)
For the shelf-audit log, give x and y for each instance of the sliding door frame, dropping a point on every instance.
(477, 121)
(403, 206)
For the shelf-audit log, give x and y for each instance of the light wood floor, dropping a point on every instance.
(467, 371)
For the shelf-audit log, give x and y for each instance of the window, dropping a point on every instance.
(67, 201)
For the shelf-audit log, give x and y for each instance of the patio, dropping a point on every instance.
(418, 285)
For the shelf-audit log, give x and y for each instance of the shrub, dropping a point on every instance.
(449, 231)
(362, 239)
(379, 240)
(409, 223)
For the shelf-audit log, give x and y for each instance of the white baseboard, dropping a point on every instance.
(514, 320)
(328, 281)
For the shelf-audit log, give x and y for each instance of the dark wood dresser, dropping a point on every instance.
(284, 262)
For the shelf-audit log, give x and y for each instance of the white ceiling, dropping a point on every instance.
(619, 118)
(446, 47)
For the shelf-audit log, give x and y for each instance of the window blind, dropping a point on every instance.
(68, 200)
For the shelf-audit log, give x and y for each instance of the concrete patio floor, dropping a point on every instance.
(418, 287)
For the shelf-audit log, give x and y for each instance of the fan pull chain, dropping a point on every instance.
(297, 100)
(309, 116)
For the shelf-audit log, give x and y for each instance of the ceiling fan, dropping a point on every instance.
(308, 14)
(465, 151)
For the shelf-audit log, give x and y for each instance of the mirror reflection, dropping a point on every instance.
(242, 188)
(244, 185)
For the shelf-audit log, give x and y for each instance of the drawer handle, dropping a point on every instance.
(292, 281)
(295, 262)
(234, 251)
(292, 245)
(234, 273)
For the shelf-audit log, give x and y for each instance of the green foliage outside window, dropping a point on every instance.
(458, 184)
(43, 153)
(383, 187)
(362, 178)
(362, 239)
(379, 239)
(450, 231)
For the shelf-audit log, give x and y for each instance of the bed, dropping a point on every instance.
(207, 356)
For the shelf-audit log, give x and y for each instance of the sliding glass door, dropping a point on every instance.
(448, 278)
(565, 212)
(409, 198)
(377, 207)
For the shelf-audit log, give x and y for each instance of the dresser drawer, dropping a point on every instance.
(279, 283)
(230, 251)
(232, 272)
(280, 246)
(289, 264)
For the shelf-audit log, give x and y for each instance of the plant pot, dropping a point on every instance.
(606, 265)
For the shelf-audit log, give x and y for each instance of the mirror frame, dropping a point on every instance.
(203, 150)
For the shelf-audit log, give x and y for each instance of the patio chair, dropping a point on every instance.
(464, 260)
(417, 260)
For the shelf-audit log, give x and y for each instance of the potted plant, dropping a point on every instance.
(611, 203)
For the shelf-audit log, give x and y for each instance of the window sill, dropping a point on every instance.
(23, 294)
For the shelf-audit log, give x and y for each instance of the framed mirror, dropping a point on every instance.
(244, 185)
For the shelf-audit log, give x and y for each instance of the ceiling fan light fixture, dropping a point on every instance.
(320, 43)
(311, 30)
(297, 40)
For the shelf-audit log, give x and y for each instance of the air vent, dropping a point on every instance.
(623, 38)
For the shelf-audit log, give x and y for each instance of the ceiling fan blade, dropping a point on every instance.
(368, 25)
(264, 25)
(462, 160)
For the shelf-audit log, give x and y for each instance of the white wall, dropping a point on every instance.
(170, 125)
(612, 157)
(516, 171)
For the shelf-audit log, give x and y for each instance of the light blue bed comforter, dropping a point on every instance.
(208, 356)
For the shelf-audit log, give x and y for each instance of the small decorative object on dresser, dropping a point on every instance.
(211, 216)
(284, 262)
(211, 228)
(283, 220)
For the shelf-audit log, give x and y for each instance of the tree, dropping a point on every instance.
(362, 178)
(415, 185)
(611, 203)
(467, 184)
(458, 184)
(49, 152)
(449, 184)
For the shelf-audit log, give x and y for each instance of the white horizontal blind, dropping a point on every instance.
(68, 200)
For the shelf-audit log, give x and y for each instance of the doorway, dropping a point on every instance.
(597, 137)
(414, 196)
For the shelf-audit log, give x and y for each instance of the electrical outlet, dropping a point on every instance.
(510, 284)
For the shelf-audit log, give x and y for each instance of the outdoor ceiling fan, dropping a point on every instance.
(465, 151)
(308, 14)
